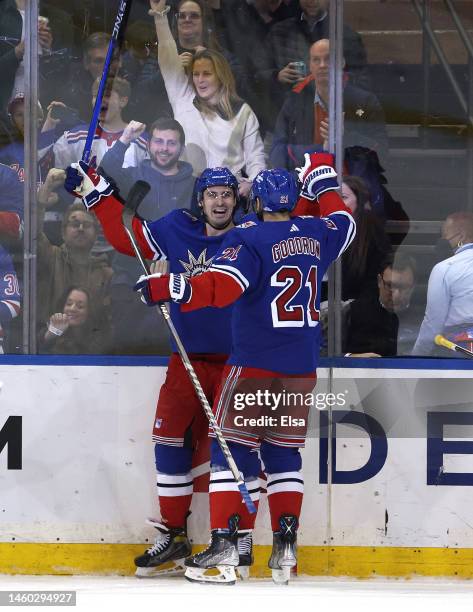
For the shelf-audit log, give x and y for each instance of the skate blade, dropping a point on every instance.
(222, 574)
(281, 576)
(243, 571)
(170, 568)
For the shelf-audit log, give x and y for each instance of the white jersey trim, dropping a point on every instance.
(351, 232)
(153, 245)
(13, 306)
(234, 273)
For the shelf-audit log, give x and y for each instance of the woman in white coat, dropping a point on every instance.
(220, 128)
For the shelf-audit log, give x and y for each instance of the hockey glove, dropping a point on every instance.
(84, 182)
(159, 288)
(317, 175)
(11, 226)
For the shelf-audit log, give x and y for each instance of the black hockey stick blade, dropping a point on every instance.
(136, 195)
(138, 191)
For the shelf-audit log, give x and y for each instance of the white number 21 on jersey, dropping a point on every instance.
(291, 279)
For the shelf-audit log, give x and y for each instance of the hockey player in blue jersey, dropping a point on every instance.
(270, 268)
(180, 426)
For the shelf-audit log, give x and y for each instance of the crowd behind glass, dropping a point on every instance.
(236, 83)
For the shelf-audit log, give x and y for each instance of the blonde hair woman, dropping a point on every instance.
(220, 128)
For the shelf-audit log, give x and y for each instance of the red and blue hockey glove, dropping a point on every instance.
(159, 288)
(11, 226)
(84, 182)
(317, 175)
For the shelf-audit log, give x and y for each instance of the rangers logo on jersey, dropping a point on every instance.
(246, 224)
(194, 266)
(329, 223)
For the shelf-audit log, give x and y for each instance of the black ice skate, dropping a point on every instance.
(167, 555)
(216, 564)
(284, 553)
(245, 552)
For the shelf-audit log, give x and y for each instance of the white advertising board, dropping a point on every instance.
(87, 461)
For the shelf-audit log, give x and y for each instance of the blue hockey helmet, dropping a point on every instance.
(276, 189)
(215, 177)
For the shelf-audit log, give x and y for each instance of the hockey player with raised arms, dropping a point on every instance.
(180, 425)
(96, 192)
(270, 268)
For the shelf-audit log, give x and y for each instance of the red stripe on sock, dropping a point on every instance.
(174, 510)
(286, 502)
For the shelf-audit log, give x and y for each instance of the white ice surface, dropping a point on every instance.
(304, 594)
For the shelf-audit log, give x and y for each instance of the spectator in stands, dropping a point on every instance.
(12, 49)
(10, 299)
(302, 124)
(13, 154)
(54, 33)
(449, 309)
(76, 328)
(11, 201)
(11, 232)
(220, 129)
(140, 67)
(385, 324)
(246, 26)
(289, 41)
(72, 263)
(361, 260)
(111, 125)
(75, 93)
(364, 163)
(193, 30)
(171, 180)
(172, 185)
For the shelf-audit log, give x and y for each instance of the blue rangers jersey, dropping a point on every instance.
(180, 238)
(274, 270)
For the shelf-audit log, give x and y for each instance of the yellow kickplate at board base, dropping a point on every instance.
(354, 561)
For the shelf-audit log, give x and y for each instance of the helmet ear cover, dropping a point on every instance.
(276, 190)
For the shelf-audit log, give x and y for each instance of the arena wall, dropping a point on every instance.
(389, 479)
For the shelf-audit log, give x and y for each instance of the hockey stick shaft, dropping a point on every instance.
(442, 341)
(120, 22)
(134, 198)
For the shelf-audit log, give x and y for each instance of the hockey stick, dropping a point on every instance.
(120, 22)
(441, 341)
(135, 196)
